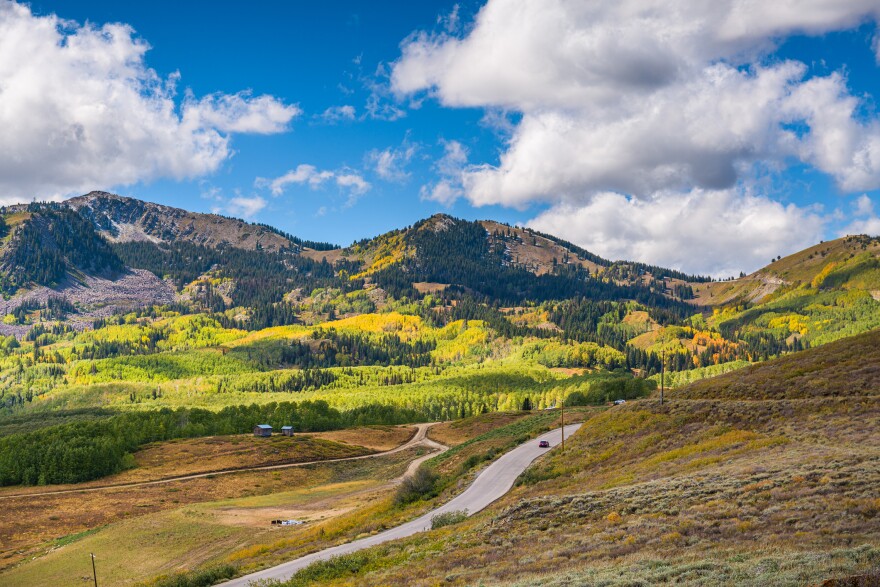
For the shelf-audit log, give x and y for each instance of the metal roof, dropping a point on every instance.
(264, 426)
(287, 427)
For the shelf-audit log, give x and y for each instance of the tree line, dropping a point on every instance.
(84, 450)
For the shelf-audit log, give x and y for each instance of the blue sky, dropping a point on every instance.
(319, 56)
(709, 139)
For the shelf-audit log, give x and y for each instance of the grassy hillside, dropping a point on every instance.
(738, 480)
(845, 368)
(809, 267)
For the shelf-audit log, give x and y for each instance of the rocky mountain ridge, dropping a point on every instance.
(104, 253)
(121, 219)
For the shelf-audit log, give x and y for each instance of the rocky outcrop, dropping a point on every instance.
(94, 297)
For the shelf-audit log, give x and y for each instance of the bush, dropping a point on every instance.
(203, 578)
(420, 486)
(448, 518)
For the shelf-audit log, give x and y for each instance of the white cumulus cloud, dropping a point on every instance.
(717, 233)
(246, 207)
(449, 168)
(647, 100)
(336, 114)
(306, 174)
(638, 96)
(80, 108)
(865, 219)
(390, 163)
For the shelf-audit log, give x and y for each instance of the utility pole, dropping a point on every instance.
(563, 423)
(94, 572)
(662, 366)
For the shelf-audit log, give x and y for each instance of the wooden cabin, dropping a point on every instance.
(287, 430)
(262, 430)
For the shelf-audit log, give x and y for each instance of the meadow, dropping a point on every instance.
(46, 518)
(178, 531)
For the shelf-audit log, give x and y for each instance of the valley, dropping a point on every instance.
(499, 293)
(141, 344)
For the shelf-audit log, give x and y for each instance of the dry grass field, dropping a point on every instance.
(207, 522)
(35, 520)
(378, 438)
(338, 501)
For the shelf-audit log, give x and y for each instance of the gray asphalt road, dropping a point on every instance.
(490, 485)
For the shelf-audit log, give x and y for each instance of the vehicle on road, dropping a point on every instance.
(544, 444)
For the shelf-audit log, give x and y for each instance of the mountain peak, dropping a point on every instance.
(439, 222)
(98, 194)
(123, 219)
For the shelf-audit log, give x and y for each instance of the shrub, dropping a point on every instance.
(448, 518)
(203, 578)
(420, 486)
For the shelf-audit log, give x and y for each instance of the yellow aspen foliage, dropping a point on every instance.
(817, 281)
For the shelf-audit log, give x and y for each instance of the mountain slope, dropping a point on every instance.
(848, 367)
(748, 489)
(121, 219)
(499, 262)
(523, 282)
(850, 262)
(46, 245)
(510, 246)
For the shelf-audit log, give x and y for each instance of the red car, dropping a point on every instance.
(544, 444)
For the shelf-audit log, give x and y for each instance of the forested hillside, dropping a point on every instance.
(446, 318)
(521, 282)
(49, 243)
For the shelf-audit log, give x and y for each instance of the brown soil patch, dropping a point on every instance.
(429, 286)
(378, 438)
(327, 503)
(332, 256)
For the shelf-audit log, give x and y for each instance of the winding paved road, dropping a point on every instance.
(496, 480)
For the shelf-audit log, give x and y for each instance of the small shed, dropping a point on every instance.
(262, 430)
(287, 430)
